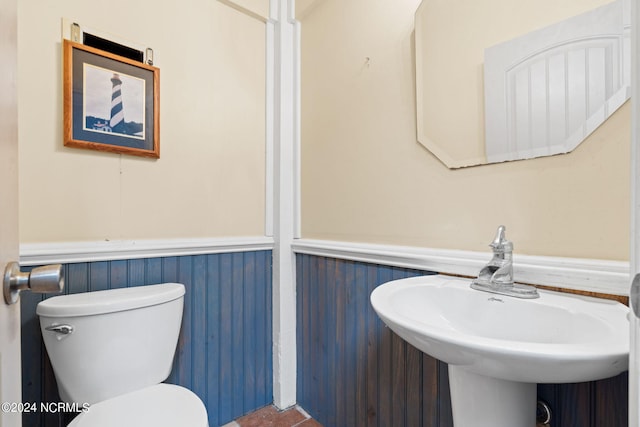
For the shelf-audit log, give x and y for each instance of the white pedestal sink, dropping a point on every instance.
(499, 347)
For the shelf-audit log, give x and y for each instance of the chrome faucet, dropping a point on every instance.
(497, 275)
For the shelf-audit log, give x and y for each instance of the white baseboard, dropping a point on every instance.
(70, 252)
(609, 277)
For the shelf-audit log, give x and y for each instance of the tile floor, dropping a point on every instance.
(269, 416)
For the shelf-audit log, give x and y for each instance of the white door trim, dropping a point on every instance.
(634, 350)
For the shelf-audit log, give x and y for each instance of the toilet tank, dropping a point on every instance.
(122, 339)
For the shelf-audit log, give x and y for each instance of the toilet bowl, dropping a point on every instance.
(110, 351)
(165, 405)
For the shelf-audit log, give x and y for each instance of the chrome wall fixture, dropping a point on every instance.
(543, 413)
(634, 297)
(41, 280)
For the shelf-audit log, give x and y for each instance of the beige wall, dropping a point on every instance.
(209, 181)
(365, 178)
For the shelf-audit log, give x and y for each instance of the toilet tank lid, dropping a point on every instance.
(109, 301)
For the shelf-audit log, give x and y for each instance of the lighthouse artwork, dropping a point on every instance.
(114, 102)
(111, 103)
(117, 116)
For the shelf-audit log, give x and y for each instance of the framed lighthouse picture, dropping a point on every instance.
(111, 103)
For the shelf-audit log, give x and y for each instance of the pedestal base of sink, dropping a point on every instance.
(480, 401)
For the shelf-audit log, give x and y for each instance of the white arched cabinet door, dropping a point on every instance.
(547, 90)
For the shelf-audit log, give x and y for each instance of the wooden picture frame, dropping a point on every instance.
(111, 103)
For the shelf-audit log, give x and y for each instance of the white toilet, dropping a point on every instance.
(112, 349)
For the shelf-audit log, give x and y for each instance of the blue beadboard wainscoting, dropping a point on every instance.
(225, 348)
(353, 371)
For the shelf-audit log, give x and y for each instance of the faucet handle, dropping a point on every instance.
(500, 243)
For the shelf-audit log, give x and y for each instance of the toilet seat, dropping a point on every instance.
(161, 405)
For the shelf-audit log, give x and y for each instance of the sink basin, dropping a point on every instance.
(502, 346)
